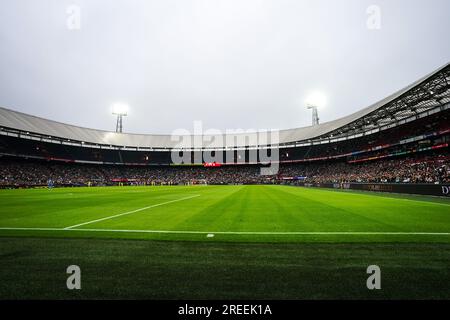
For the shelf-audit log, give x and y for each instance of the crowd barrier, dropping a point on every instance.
(441, 190)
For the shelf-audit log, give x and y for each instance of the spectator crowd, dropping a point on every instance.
(426, 169)
(423, 170)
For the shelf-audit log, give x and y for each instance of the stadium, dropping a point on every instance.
(371, 188)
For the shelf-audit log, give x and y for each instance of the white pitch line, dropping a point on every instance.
(239, 232)
(267, 232)
(129, 212)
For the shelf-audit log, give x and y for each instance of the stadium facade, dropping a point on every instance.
(411, 123)
(428, 96)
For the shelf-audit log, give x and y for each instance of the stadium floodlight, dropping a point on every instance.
(120, 110)
(315, 114)
(314, 101)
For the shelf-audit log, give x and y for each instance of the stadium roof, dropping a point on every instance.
(427, 95)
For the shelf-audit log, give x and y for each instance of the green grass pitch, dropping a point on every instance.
(244, 242)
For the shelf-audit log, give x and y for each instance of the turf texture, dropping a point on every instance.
(241, 242)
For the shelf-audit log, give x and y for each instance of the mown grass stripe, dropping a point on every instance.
(129, 212)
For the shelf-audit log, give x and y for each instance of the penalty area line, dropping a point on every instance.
(235, 232)
(129, 212)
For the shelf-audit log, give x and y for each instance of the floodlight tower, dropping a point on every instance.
(314, 101)
(119, 125)
(120, 111)
(315, 114)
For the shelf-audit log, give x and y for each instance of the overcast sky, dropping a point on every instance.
(230, 63)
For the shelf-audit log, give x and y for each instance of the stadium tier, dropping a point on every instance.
(402, 139)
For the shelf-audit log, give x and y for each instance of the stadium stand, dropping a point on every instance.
(433, 168)
(402, 139)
